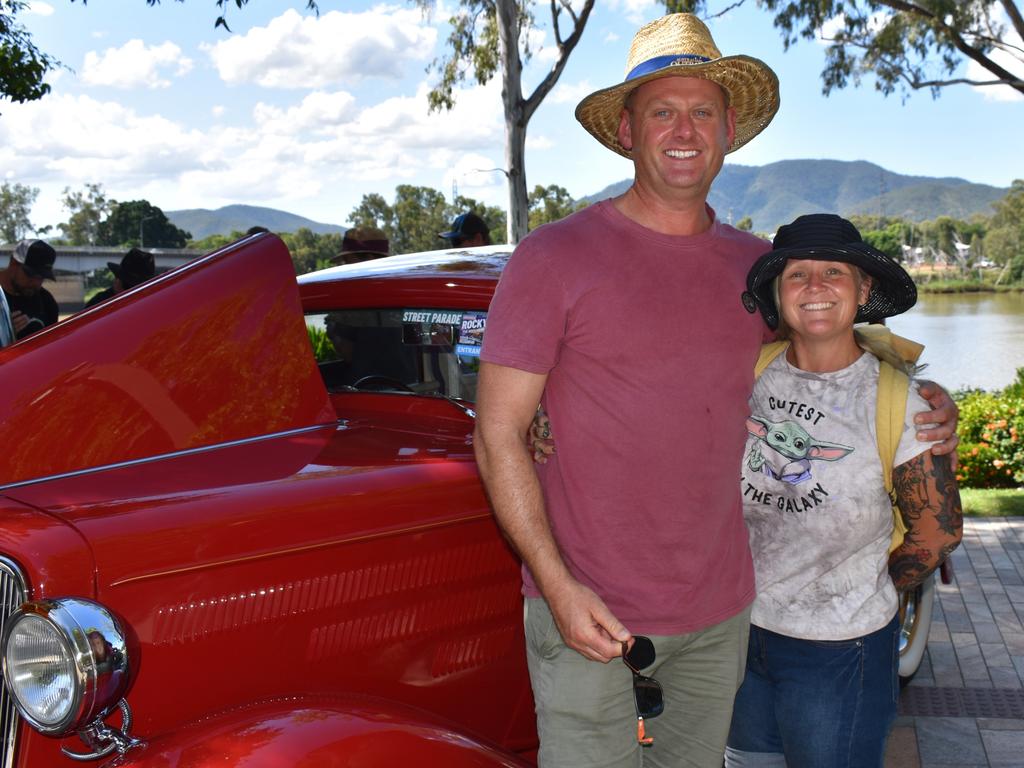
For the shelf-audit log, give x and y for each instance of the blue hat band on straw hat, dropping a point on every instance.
(660, 62)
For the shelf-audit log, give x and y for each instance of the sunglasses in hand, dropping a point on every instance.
(647, 694)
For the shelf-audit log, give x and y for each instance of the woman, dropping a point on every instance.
(821, 684)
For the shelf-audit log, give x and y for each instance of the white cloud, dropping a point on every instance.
(218, 110)
(539, 142)
(135, 65)
(611, 37)
(564, 93)
(1012, 64)
(296, 51)
(637, 11)
(39, 9)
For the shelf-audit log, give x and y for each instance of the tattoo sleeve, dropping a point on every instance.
(929, 502)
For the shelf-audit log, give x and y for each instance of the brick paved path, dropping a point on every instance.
(965, 708)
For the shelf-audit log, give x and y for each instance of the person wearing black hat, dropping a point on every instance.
(137, 266)
(32, 306)
(821, 680)
(468, 231)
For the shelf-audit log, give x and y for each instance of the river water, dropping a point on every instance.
(971, 339)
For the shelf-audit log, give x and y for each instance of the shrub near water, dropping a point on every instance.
(991, 429)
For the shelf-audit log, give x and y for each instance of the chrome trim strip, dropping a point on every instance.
(172, 455)
(307, 548)
(13, 592)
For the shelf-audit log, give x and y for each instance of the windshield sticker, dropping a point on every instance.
(431, 316)
(471, 334)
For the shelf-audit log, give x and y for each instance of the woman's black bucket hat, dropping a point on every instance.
(827, 237)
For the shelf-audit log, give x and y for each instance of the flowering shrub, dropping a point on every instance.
(991, 451)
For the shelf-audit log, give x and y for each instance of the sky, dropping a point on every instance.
(310, 113)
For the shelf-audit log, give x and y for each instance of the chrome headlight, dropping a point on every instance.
(65, 663)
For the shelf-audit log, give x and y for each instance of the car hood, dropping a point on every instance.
(213, 352)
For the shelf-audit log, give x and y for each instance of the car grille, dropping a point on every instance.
(12, 594)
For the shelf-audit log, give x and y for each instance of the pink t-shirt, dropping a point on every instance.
(650, 355)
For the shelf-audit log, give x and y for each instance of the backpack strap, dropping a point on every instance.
(891, 411)
(768, 353)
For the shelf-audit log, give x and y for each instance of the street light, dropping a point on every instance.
(143, 220)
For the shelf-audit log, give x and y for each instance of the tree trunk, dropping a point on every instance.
(507, 14)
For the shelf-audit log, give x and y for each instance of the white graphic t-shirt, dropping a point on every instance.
(814, 500)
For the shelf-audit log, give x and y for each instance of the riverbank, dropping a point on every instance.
(964, 286)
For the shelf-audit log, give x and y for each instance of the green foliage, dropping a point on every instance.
(418, 214)
(746, 224)
(22, 66)
(139, 223)
(15, 206)
(991, 451)
(472, 47)
(323, 350)
(905, 46)
(86, 208)
(213, 242)
(551, 203)
(311, 251)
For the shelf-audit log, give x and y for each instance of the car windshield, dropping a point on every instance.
(426, 351)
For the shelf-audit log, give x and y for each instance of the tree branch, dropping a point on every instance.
(564, 49)
(1015, 16)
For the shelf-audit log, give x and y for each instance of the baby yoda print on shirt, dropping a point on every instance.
(815, 503)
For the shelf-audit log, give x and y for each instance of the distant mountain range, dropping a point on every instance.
(777, 193)
(238, 218)
(771, 195)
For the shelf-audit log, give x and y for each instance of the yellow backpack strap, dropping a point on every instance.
(907, 349)
(768, 353)
(891, 412)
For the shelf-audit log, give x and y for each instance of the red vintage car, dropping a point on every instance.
(263, 572)
(246, 525)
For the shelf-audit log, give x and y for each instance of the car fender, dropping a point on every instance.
(297, 732)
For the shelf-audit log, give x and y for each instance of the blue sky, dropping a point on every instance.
(309, 114)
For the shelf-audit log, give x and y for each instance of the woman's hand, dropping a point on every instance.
(942, 419)
(542, 441)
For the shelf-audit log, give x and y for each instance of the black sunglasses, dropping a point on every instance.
(647, 694)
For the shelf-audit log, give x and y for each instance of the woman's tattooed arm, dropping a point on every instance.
(929, 501)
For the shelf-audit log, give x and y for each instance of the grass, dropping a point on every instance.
(993, 502)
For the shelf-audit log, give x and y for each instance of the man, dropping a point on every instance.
(137, 266)
(468, 231)
(362, 244)
(627, 318)
(32, 306)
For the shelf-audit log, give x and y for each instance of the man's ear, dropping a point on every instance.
(625, 132)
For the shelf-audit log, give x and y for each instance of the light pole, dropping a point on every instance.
(143, 220)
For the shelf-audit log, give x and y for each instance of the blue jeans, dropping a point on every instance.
(821, 704)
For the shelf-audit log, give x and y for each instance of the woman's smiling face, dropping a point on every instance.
(820, 298)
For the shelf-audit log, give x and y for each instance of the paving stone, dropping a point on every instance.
(1004, 748)
(987, 632)
(1000, 724)
(949, 741)
(969, 658)
(945, 670)
(1003, 677)
(995, 655)
(901, 749)
(1009, 576)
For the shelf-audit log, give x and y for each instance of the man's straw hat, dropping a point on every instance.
(679, 44)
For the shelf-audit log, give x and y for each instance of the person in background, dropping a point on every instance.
(32, 307)
(362, 244)
(468, 230)
(137, 266)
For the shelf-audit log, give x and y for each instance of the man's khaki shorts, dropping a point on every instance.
(585, 711)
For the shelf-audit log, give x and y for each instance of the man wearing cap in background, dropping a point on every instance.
(137, 266)
(32, 306)
(626, 317)
(362, 244)
(468, 230)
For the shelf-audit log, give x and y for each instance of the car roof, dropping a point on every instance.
(461, 278)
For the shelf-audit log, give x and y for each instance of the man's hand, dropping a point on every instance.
(944, 416)
(19, 320)
(586, 624)
(542, 441)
